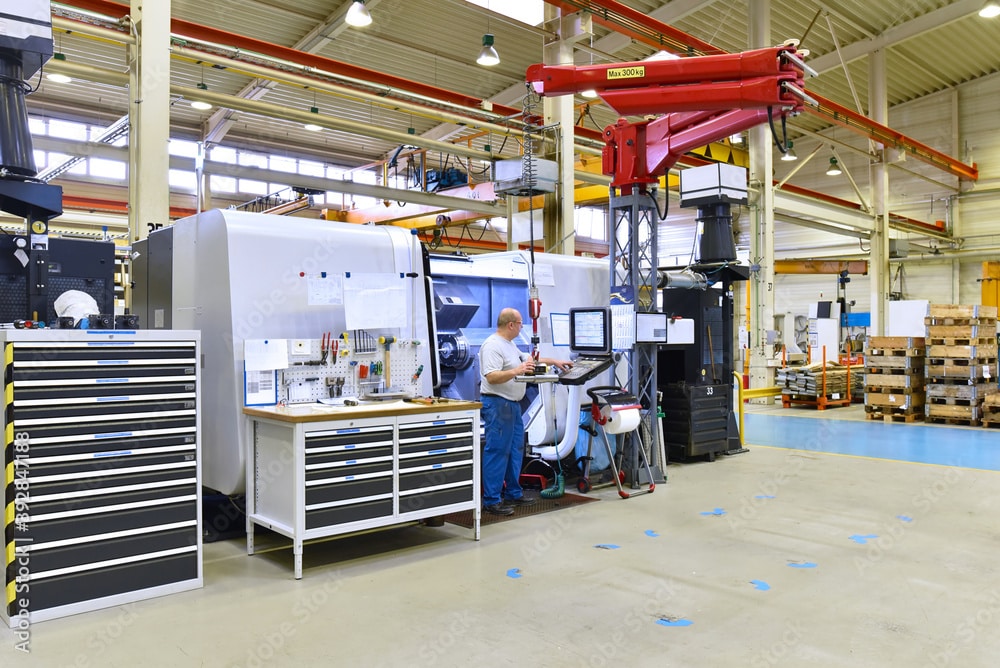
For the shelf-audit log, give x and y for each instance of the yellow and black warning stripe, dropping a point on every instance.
(10, 565)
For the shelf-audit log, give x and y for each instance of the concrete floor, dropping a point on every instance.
(777, 557)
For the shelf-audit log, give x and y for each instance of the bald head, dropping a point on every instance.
(509, 323)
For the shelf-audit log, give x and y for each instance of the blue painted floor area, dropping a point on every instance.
(925, 444)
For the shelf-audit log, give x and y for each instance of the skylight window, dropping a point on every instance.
(531, 12)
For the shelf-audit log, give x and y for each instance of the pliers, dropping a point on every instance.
(324, 347)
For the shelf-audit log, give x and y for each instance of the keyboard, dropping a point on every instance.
(584, 369)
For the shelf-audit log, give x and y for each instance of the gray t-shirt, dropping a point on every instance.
(499, 354)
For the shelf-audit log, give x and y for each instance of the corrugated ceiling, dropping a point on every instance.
(932, 45)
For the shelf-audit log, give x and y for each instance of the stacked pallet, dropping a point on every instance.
(991, 410)
(961, 361)
(894, 378)
(813, 385)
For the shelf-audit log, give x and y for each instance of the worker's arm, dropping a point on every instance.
(502, 376)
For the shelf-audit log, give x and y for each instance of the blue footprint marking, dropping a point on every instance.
(904, 518)
(674, 622)
(651, 533)
(863, 540)
(718, 512)
(760, 585)
(514, 573)
(801, 564)
(606, 546)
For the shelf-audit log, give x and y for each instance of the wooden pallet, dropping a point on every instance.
(991, 423)
(961, 311)
(894, 364)
(977, 341)
(956, 352)
(895, 400)
(963, 331)
(908, 381)
(957, 411)
(819, 403)
(965, 422)
(976, 392)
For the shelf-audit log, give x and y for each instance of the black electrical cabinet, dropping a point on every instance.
(696, 378)
(73, 264)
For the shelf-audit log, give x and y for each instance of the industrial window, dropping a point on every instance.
(253, 187)
(183, 148)
(248, 159)
(108, 169)
(223, 154)
(182, 179)
(67, 130)
(591, 222)
(222, 184)
(310, 168)
(531, 12)
(36, 126)
(280, 163)
(40, 162)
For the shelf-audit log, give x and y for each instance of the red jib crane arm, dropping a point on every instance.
(699, 100)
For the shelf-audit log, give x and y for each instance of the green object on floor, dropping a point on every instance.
(557, 489)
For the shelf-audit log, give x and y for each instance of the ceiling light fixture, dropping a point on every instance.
(312, 127)
(590, 93)
(358, 15)
(201, 85)
(789, 155)
(58, 78)
(990, 10)
(834, 169)
(488, 57)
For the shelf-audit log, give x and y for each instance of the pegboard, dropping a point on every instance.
(302, 383)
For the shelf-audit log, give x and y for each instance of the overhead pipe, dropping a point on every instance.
(284, 76)
(280, 72)
(92, 30)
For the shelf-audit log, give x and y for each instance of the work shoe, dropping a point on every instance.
(519, 502)
(498, 509)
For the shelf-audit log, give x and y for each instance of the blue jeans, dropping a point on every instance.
(504, 449)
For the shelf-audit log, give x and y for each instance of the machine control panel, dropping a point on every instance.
(586, 368)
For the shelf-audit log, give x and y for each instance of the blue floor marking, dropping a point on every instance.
(674, 622)
(924, 444)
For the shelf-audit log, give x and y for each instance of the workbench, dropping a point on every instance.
(314, 471)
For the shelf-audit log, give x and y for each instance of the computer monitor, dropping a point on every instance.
(590, 330)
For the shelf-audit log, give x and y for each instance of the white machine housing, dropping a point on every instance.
(238, 276)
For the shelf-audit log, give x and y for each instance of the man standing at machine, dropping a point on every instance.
(500, 362)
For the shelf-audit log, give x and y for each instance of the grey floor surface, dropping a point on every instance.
(772, 558)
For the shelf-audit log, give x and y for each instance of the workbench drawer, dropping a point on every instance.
(433, 476)
(349, 436)
(340, 471)
(435, 457)
(347, 454)
(422, 501)
(355, 512)
(83, 525)
(117, 579)
(434, 428)
(348, 487)
(449, 441)
(82, 555)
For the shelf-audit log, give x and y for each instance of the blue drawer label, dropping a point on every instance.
(119, 434)
(349, 447)
(112, 380)
(99, 399)
(120, 453)
(437, 466)
(112, 361)
(350, 477)
(351, 461)
(438, 452)
(348, 431)
(438, 437)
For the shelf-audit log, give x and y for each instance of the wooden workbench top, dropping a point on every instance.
(321, 412)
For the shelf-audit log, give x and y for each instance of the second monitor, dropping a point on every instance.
(590, 330)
